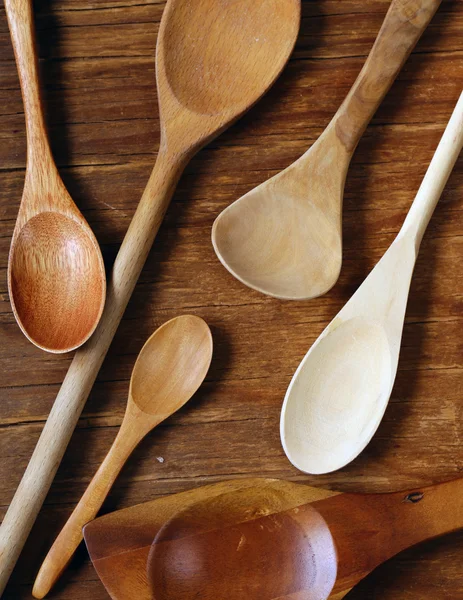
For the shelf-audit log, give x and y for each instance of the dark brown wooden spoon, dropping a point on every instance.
(229, 548)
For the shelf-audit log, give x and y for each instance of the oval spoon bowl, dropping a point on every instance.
(338, 397)
(55, 282)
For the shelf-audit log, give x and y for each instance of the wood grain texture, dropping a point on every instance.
(56, 275)
(119, 543)
(239, 544)
(97, 65)
(284, 237)
(340, 391)
(248, 50)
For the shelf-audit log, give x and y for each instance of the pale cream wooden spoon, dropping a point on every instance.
(169, 369)
(340, 390)
(284, 238)
(56, 274)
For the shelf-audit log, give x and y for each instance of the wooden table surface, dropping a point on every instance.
(98, 74)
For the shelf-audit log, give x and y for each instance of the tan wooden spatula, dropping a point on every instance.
(284, 238)
(169, 369)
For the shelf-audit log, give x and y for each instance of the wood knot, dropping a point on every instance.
(414, 497)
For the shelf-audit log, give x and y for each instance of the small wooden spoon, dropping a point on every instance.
(214, 60)
(229, 547)
(56, 275)
(339, 393)
(169, 369)
(284, 238)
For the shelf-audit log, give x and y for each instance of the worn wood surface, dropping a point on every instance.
(98, 74)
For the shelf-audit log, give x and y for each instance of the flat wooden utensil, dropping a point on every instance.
(284, 238)
(56, 274)
(169, 369)
(214, 61)
(119, 542)
(341, 389)
(229, 547)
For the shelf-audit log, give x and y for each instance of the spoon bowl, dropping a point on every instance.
(56, 282)
(276, 240)
(252, 65)
(342, 387)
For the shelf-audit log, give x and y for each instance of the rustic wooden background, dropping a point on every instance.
(98, 74)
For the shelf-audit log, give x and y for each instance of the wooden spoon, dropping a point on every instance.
(119, 542)
(229, 547)
(339, 393)
(169, 369)
(284, 238)
(56, 275)
(214, 61)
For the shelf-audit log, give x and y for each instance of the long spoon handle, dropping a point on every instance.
(403, 26)
(21, 25)
(436, 176)
(135, 426)
(87, 361)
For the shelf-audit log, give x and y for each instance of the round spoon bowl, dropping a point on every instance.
(284, 555)
(337, 397)
(171, 365)
(57, 282)
(275, 241)
(195, 68)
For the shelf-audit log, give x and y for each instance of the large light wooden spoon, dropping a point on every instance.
(284, 238)
(236, 546)
(214, 61)
(56, 275)
(169, 369)
(340, 390)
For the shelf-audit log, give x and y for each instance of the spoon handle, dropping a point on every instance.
(436, 177)
(135, 426)
(21, 25)
(403, 26)
(371, 528)
(87, 361)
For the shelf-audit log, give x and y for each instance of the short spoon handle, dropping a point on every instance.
(403, 26)
(135, 426)
(436, 176)
(371, 528)
(84, 368)
(21, 25)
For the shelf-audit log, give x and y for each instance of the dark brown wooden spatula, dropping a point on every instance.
(230, 547)
(263, 539)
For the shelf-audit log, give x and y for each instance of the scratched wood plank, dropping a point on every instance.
(98, 73)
